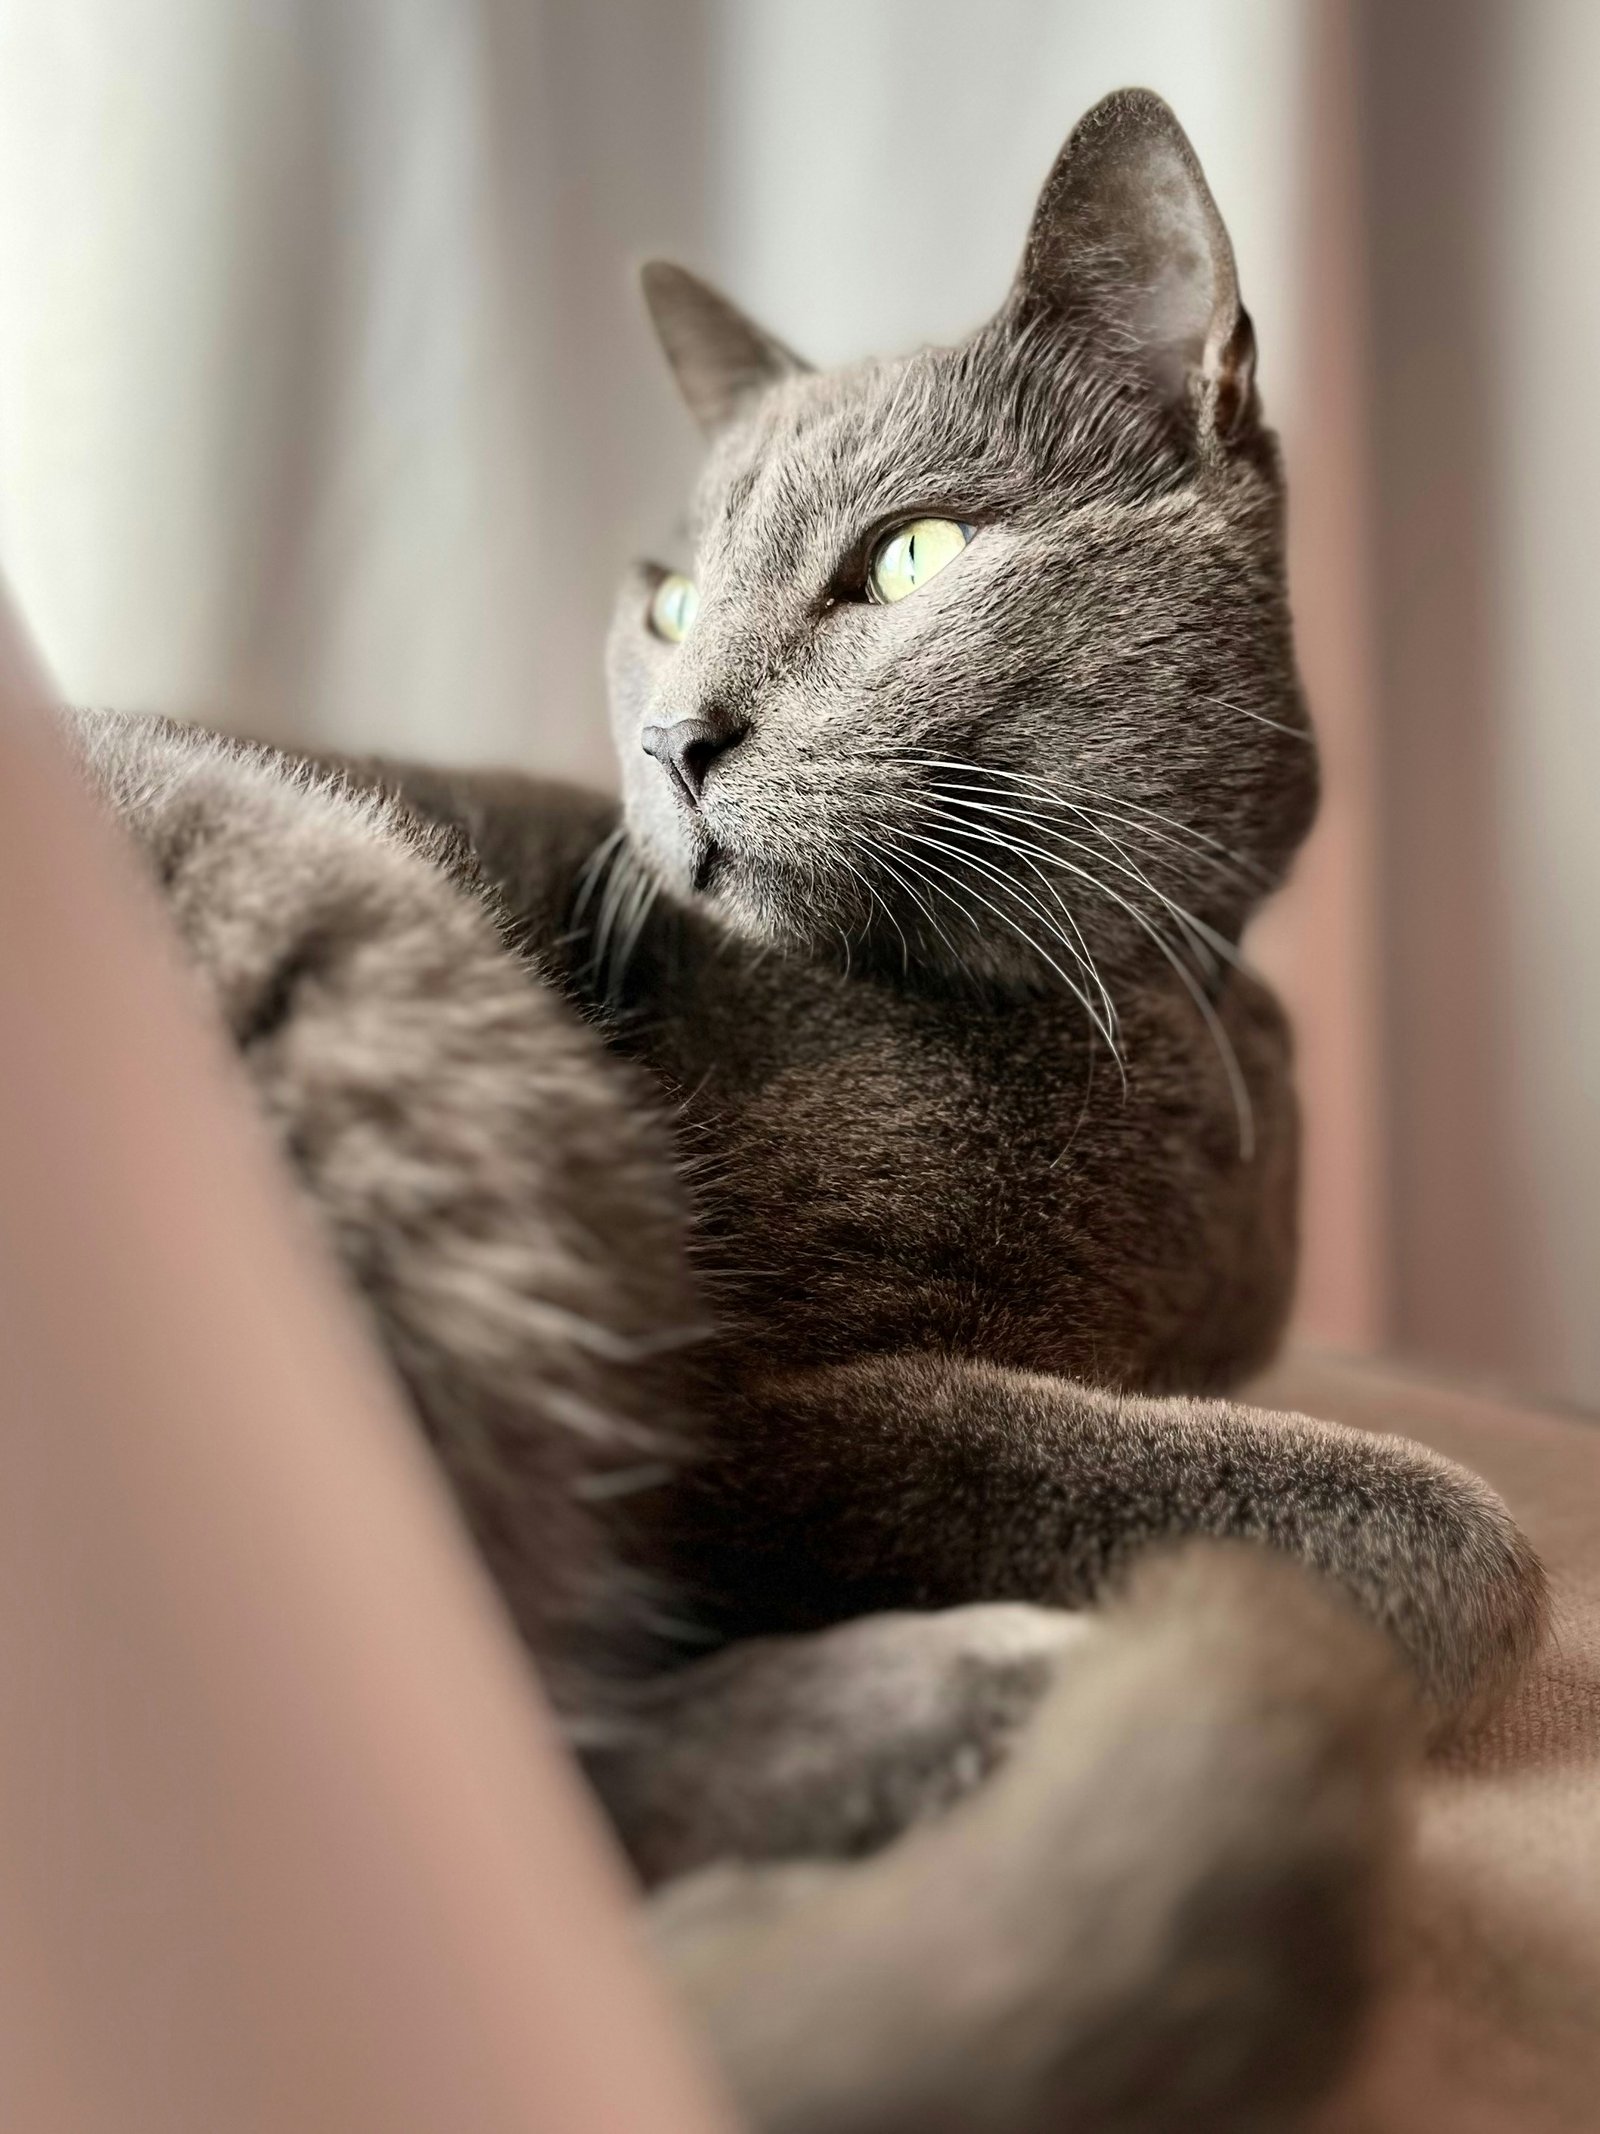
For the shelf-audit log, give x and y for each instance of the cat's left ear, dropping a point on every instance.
(1127, 244)
(720, 358)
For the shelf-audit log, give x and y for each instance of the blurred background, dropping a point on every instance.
(327, 410)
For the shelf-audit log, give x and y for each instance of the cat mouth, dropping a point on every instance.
(707, 865)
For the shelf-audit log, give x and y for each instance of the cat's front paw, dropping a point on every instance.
(1433, 1553)
(1483, 1600)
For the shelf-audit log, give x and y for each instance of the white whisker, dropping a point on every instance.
(1078, 947)
(1065, 799)
(877, 904)
(1243, 711)
(909, 886)
(1217, 944)
(1038, 911)
(1238, 1088)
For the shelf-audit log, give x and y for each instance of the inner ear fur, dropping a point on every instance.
(1127, 244)
(720, 358)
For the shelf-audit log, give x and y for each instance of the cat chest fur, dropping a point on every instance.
(885, 1168)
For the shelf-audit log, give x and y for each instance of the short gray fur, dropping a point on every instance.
(912, 1052)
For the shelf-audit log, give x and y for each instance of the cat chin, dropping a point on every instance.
(765, 905)
(693, 870)
(711, 863)
(727, 891)
(677, 850)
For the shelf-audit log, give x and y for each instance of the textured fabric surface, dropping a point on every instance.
(1493, 2023)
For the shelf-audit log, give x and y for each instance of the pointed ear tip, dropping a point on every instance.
(1132, 107)
(1131, 114)
(670, 292)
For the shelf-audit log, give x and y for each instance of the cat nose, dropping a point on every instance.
(687, 749)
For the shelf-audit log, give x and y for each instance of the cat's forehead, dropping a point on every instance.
(830, 445)
(825, 456)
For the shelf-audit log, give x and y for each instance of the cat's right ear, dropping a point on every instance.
(720, 358)
(1127, 247)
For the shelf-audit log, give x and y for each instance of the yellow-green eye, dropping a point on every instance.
(672, 607)
(913, 554)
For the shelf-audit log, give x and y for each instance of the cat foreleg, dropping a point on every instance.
(923, 1481)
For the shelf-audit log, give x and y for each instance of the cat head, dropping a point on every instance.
(982, 661)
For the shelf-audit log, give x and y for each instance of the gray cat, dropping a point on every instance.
(813, 1213)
